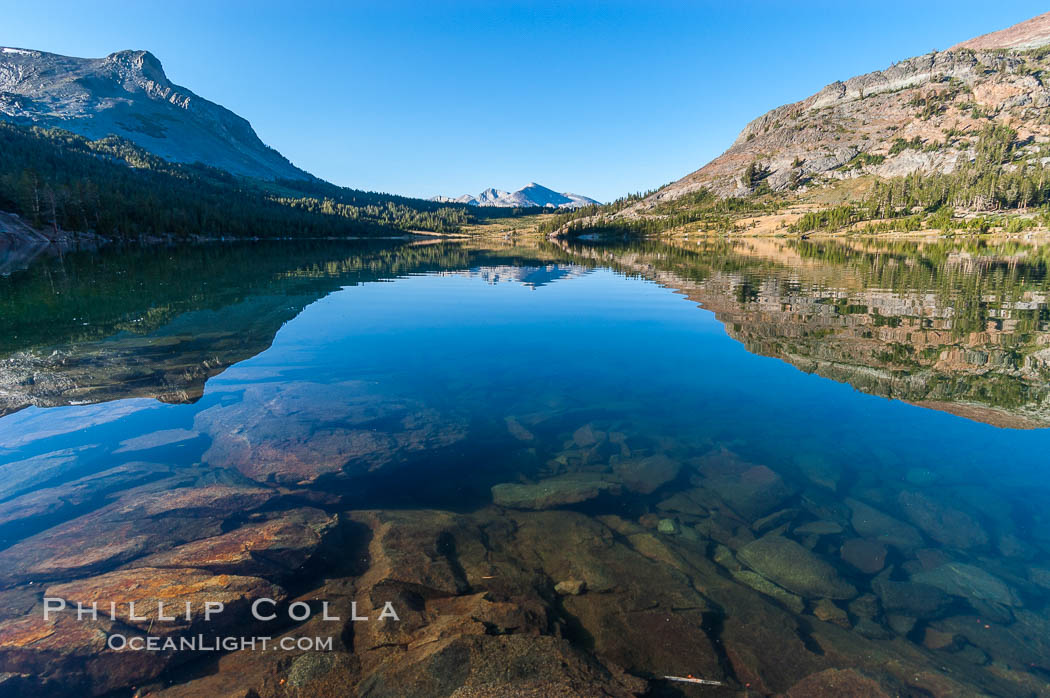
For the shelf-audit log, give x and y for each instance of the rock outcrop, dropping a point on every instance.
(915, 102)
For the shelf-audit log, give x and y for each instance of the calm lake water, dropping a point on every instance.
(804, 457)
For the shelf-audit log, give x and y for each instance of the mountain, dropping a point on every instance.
(1032, 33)
(127, 94)
(530, 196)
(974, 113)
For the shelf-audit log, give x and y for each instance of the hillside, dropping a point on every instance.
(111, 147)
(962, 131)
(57, 181)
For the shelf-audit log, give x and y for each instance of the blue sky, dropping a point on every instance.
(423, 98)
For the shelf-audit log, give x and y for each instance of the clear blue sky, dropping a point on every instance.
(421, 98)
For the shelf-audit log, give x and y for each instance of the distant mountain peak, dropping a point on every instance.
(128, 94)
(530, 196)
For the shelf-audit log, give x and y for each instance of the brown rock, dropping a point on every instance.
(148, 588)
(209, 500)
(763, 644)
(835, 683)
(272, 549)
(503, 665)
(826, 610)
(416, 550)
(136, 524)
(66, 656)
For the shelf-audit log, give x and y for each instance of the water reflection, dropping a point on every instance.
(572, 479)
(962, 330)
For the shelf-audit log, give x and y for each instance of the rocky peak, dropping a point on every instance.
(128, 94)
(141, 63)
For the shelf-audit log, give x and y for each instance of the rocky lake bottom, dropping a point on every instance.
(603, 469)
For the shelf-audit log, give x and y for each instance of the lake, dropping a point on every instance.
(573, 468)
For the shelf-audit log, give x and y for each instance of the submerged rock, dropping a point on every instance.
(21, 476)
(724, 557)
(65, 656)
(836, 683)
(297, 432)
(646, 475)
(793, 602)
(1040, 576)
(967, 581)
(752, 491)
(517, 430)
(571, 587)
(496, 665)
(868, 556)
(27, 511)
(921, 476)
(571, 488)
(937, 640)
(913, 598)
(669, 526)
(777, 518)
(683, 503)
(819, 528)
(902, 625)
(586, 436)
(869, 522)
(827, 611)
(273, 549)
(138, 523)
(156, 439)
(819, 471)
(795, 568)
(941, 522)
(865, 606)
(148, 587)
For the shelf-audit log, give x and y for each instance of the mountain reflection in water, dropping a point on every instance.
(545, 455)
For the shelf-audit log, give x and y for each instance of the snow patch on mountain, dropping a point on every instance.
(531, 195)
